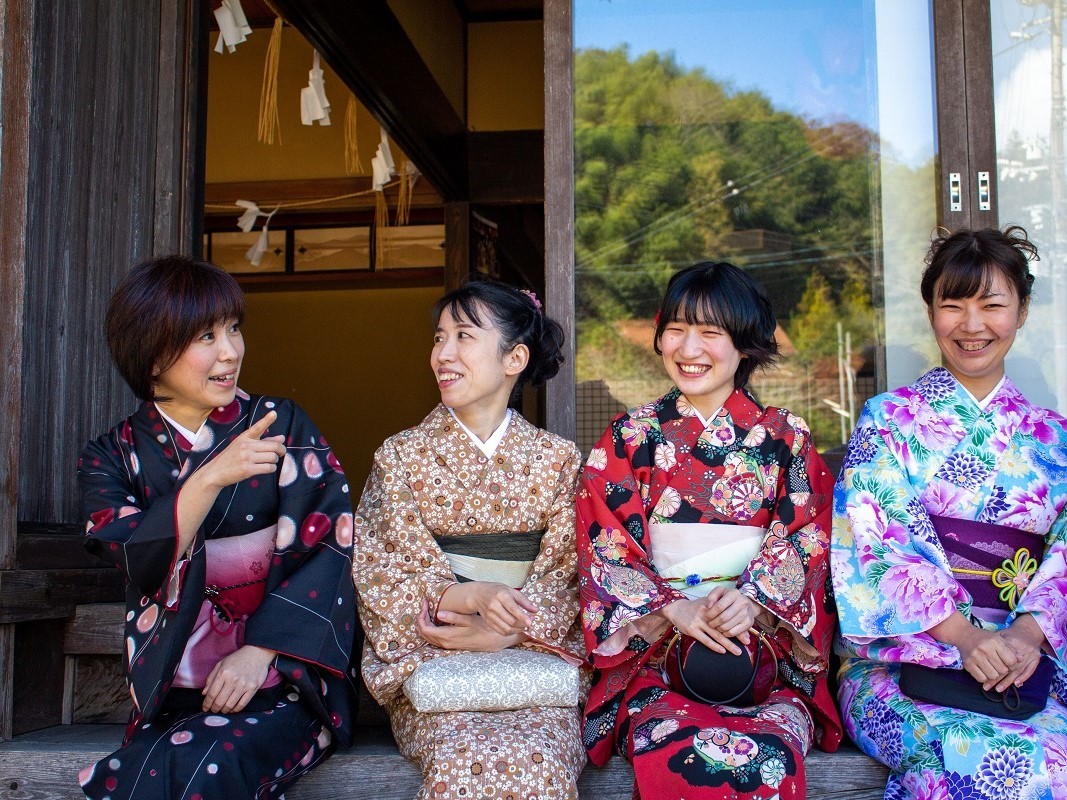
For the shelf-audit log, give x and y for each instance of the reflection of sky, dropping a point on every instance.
(1021, 71)
(812, 57)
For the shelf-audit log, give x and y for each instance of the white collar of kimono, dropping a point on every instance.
(189, 435)
(705, 422)
(489, 446)
(985, 401)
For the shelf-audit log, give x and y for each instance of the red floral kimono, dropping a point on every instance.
(659, 465)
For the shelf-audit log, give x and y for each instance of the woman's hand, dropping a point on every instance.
(1026, 639)
(505, 610)
(236, 678)
(462, 632)
(730, 612)
(689, 617)
(987, 657)
(247, 455)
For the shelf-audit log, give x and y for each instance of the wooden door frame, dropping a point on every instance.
(966, 136)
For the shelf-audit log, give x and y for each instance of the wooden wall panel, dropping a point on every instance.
(112, 180)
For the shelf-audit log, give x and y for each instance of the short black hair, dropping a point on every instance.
(966, 261)
(519, 318)
(720, 294)
(159, 308)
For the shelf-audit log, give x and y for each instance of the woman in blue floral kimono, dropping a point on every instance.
(949, 544)
(705, 513)
(230, 518)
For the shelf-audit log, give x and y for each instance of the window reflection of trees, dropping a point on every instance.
(672, 167)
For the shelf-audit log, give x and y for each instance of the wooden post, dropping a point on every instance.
(457, 243)
(16, 32)
(559, 205)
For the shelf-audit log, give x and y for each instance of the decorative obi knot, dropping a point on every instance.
(994, 563)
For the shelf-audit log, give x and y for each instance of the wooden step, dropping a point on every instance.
(44, 765)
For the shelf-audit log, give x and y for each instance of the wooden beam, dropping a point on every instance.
(27, 594)
(559, 205)
(369, 50)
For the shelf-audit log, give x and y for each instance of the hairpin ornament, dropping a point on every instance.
(533, 298)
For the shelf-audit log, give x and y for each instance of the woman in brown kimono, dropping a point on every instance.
(475, 483)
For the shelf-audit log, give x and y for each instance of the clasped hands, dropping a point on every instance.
(1005, 657)
(712, 620)
(477, 615)
(996, 659)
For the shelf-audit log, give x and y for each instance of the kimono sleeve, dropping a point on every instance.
(619, 588)
(398, 565)
(890, 588)
(138, 534)
(789, 575)
(552, 584)
(308, 612)
(1046, 595)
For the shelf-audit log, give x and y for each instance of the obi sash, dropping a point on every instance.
(494, 557)
(235, 585)
(994, 563)
(695, 557)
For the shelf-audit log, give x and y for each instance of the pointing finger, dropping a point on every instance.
(256, 431)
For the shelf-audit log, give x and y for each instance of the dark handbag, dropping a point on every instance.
(723, 678)
(957, 689)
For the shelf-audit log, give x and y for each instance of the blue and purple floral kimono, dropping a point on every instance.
(929, 450)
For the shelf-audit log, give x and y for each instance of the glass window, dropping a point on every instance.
(1032, 182)
(317, 249)
(793, 138)
(410, 246)
(230, 250)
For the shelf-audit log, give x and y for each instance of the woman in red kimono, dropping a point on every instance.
(231, 520)
(706, 514)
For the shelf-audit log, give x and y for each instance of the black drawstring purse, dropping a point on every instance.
(957, 689)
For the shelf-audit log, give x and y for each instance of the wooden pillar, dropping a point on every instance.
(457, 243)
(16, 34)
(559, 205)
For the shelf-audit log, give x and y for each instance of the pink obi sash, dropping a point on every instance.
(235, 585)
(994, 563)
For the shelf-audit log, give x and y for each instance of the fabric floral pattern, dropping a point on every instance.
(430, 481)
(749, 466)
(925, 450)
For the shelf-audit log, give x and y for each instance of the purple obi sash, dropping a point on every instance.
(994, 563)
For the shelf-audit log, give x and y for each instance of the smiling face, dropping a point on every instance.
(204, 377)
(975, 333)
(701, 360)
(474, 375)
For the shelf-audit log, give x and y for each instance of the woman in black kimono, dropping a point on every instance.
(231, 520)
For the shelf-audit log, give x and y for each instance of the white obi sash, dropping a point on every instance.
(696, 557)
(495, 557)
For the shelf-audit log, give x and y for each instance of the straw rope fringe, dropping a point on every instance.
(403, 203)
(269, 121)
(353, 163)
